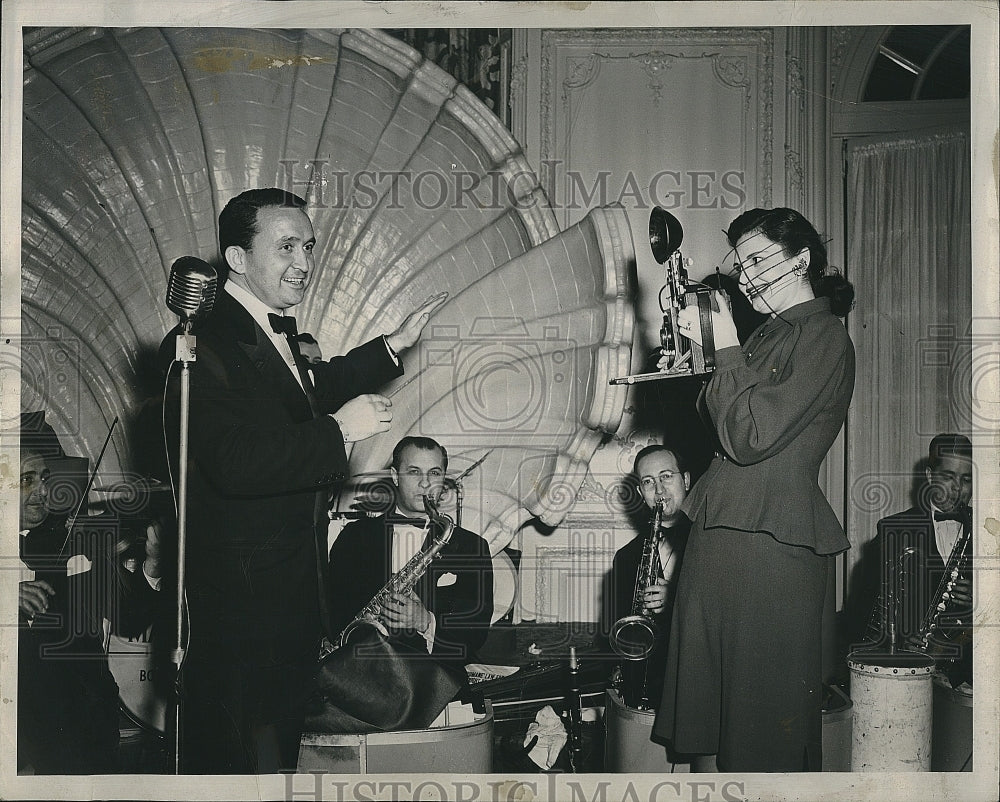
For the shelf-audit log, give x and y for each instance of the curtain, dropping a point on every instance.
(910, 258)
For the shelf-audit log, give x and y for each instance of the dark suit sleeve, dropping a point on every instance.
(757, 412)
(357, 571)
(462, 609)
(362, 370)
(243, 447)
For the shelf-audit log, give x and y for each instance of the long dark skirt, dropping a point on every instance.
(744, 673)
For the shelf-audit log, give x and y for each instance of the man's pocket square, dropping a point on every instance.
(446, 579)
(78, 564)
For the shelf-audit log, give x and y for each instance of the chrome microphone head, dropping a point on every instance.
(191, 288)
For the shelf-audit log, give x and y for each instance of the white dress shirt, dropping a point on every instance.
(946, 534)
(406, 541)
(259, 311)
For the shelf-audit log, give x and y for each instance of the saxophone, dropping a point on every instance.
(408, 576)
(633, 636)
(941, 600)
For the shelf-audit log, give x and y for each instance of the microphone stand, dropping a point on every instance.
(185, 353)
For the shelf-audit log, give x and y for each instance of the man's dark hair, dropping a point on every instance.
(425, 443)
(948, 445)
(306, 337)
(238, 221)
(678, 457)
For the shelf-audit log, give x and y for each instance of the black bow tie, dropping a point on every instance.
(283, 324)
(961, 515)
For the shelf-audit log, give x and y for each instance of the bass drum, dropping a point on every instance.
(133, 665)
(627, 745)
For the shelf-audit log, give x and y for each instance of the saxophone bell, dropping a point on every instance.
(633, 636)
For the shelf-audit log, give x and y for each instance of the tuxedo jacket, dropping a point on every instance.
(457, 587)
(920, 572)
(625, 567)
(258, 459)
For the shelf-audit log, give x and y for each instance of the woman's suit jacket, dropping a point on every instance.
(777, 404)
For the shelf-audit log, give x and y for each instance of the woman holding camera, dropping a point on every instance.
(744, 676)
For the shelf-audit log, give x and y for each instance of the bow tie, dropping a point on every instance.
(961, 515)
(283, 324)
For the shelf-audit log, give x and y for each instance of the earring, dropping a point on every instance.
(800, 267)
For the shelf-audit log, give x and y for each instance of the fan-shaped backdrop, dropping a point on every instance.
(135, 138)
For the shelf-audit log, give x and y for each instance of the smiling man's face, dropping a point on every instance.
(279, 265)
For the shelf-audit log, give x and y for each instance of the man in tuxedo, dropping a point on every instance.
(267, 442)
(67, 705)
(448, 612)
(912, 549)
(662, 481)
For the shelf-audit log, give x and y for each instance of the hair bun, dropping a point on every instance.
(839, 290)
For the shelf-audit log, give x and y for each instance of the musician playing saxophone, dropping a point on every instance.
(662, 480)
(906, 563)
(447, 613)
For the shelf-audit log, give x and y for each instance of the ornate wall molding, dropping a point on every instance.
(805, 123)
(560, 569)
(656, 50)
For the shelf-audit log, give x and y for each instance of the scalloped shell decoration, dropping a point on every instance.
(134, 139)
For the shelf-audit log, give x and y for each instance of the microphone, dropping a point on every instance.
(191, 289)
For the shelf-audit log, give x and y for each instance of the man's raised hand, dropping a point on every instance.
(409, 332)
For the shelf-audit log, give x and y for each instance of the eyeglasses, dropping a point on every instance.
(664, 477)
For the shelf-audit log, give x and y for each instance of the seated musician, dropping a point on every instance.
(448, 612)
(67, 698)
(906, 562)
(662, 480)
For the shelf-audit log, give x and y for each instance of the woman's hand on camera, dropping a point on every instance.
(723, 327)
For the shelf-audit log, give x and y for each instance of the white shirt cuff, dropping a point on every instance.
(429, 634)
(393, 354)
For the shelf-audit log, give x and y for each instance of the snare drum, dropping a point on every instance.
(131, 661)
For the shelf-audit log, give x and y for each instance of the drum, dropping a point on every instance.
(131, 661)
(892, 700)
(460, 741)
(627, 745)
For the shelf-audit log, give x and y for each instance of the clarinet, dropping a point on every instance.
(942, 598)
(574, 714)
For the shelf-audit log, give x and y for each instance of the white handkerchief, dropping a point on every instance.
(446, 579)
(77, 564)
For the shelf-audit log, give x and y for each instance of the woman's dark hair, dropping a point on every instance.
(794, 233)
